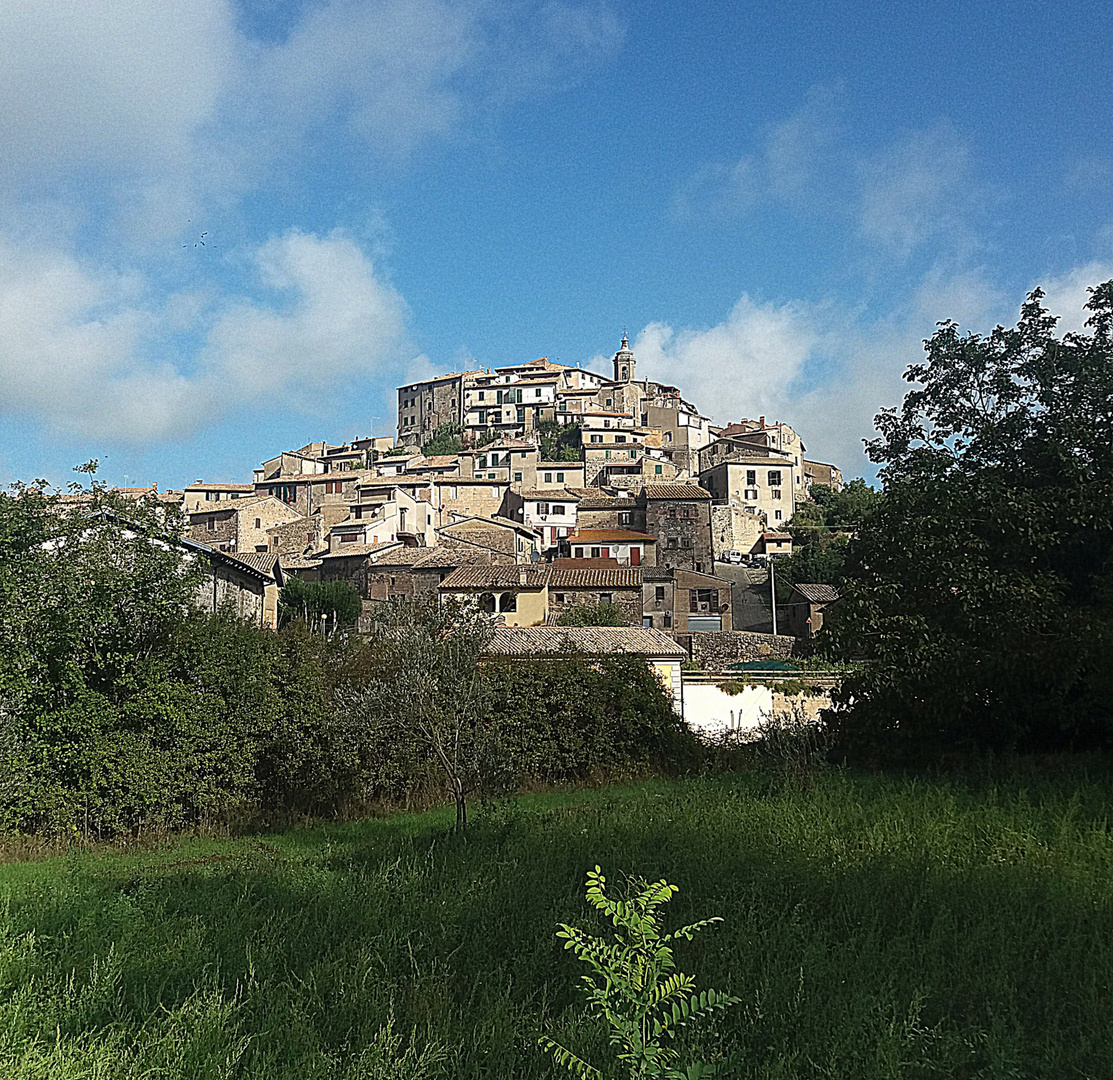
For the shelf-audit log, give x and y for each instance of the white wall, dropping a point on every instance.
(710, 711)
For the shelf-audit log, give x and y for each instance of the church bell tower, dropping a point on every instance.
(624, 363)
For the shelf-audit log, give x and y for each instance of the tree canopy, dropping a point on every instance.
(979, 591)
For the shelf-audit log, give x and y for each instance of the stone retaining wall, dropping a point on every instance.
(717, 651)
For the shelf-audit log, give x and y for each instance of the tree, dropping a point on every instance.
(979, 591)
(593, 615)
(820, 529)
(336, 601)
(447, 439)
(428, 687)
(560, 442)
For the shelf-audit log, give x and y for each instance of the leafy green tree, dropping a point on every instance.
(560, 442)
(593, 615)
(447, 439)
(336, 603)
(428, 689)
(820, 562)
(979, 591)
(632, 984)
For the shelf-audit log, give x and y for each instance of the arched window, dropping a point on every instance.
(508, 601)
(487, 602)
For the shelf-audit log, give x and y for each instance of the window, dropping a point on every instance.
(543, 508)
(701, 599)
(668, 436)
(508, 601)
(211, 526)
(560, 478)
(595, 552)
(774, 478)
(659, 594)
(560, 598)
(548, 478)
(633, 454)
(776, 493)
(452, 493)
(579, 552)
(494, 490)
(624, 517)
(751, 478)
(348, 538)
(657, 470)
(537, 392)
(606, 598)
(668, 619)
(258, 523)
(481, 397)
(670, 543)
(596, 438)
(647, 620)
(608, 455)
(620, 438)
(212, 496)
(521, 414)
(777, 515)
(610, 402)
(558, 508)
(517, 478)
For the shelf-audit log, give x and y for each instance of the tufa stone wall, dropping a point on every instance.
(717, 651)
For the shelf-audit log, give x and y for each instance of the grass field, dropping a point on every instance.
(874, 928)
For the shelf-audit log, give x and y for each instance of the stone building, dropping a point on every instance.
(240, 525)
(679, 516)
(427, 405)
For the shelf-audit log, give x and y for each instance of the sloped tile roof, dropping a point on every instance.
(441, 556)
(359, 549)
(818, 594)
(297, 562)
(676, 491)
(550, 494)
(496, 577)
(258, 560)
(625, 577)
(593, 640)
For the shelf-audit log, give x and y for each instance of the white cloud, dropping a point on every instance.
(160, 109)
(784, 167)
(84, 350)
(1067, 295)
(914, 190)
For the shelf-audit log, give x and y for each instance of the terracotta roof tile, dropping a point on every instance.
(676, 491)
(818, 594)
(496, 577)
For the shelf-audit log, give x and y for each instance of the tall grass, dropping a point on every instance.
(874, 928)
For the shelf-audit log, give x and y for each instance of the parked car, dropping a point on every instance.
(731, 556)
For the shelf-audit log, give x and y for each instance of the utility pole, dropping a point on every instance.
(773, 590)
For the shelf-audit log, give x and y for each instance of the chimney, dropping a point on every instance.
(154, 485)
(762, 421)
(523, 572)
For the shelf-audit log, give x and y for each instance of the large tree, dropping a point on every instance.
(979, 592)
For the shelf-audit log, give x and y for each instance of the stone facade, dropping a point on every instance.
(425, 406)
(716, 652)
(679, 515)
(735, 529)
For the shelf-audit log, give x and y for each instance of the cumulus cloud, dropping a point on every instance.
(823, 367)
(88, 352)
(1068, 294)
(784, 167)
(914, 190)
(161, 107)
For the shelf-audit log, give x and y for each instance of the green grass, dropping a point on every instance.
(874, 928)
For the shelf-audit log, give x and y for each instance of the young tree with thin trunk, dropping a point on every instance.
(430, 689)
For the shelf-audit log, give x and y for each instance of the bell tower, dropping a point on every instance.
(624, 363)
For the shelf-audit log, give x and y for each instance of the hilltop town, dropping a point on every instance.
(532, 489)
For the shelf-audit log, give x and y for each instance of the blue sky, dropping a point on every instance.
(778, 201)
